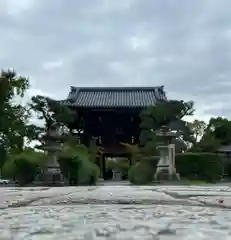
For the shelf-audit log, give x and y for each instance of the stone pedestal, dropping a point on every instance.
(53, 175)
(166, 170)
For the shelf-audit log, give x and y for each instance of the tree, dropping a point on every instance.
(13, 116)
(180, 145)
(164, 114)
(51, 111)
(208, 143)
(198, 127)
(134, 152)
(55, 116)
(217, 133)
(220, 128)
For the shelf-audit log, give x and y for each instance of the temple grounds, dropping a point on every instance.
(116, 212)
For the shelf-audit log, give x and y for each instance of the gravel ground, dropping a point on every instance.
(116, 212)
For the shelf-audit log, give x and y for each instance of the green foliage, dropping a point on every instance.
(92, 151)
(217, 133)
(69, 161)
(133, 150)
(122, 165)
(13, 117)
(200, 166)
(75, 165)
(164, 113)
(51, 111)
(168, 113)
(24, 166)
(3, 154)
(208, 143)
(220, 128)
(88, 173)
(227, 168)
(141, 173)
(11, 85)
(180, 145)
(198, 127)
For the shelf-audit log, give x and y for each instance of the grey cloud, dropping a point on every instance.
(184, 45)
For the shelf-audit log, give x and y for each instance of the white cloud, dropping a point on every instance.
(52, 64)
(139, 43)
(15, 7)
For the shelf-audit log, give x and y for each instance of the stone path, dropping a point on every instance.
(116, 212)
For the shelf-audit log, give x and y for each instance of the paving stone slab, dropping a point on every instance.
(174, 212)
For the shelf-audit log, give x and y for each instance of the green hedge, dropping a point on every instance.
(227, 168)
(206, 167)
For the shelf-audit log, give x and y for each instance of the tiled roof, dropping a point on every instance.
(107, 97)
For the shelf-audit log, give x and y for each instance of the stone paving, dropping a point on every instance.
(116, 212)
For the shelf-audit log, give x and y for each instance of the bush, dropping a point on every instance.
(76, 165)
(200, 166)
(88, 173)
(122, 165)
(24, 166)
(69, 168)
(141, 173)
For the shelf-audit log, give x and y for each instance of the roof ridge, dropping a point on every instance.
(114, 88)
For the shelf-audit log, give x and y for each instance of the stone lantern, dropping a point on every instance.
(166, 169)
(53, 140)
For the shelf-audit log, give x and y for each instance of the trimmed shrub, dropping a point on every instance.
(141, 173)
(76, 165)
(200, 166)
(69, 167)
(24, 166)
(88, 173)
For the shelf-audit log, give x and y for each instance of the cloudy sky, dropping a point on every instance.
(184, 45)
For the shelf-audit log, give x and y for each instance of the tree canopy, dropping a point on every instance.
(215, 134)
(14, 117)
(171, 114)
(51, 111)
